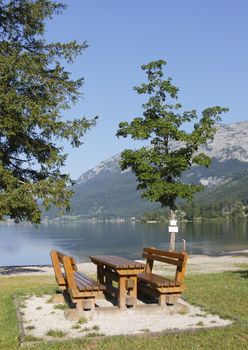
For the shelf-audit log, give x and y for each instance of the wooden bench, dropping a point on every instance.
(82, 289)
(166, 290)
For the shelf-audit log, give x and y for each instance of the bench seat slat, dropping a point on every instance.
(82, 286)
(85, 279)
(86, 283)
(156, 280)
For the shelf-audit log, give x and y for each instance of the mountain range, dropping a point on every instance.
(106, 191)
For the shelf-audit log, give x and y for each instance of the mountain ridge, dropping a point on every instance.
(106, 191)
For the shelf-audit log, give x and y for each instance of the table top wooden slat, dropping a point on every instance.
(116, 262)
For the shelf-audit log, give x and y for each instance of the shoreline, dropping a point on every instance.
(230, 261)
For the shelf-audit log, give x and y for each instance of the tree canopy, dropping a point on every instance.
(35, 89)
(172, 150)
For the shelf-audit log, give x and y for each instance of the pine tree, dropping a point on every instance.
(158, 168)
(35, 89)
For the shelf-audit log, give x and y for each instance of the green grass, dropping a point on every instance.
(60, 306)
(82, 320)
(56, 333)
(76, 326)
(225, 294)
(29, 328)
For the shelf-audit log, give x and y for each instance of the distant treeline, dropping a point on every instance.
(197, 212)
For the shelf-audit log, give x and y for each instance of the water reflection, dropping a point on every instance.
(26, 244)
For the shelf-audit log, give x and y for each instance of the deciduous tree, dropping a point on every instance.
(172, 150)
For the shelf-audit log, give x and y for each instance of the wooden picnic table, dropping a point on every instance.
(121, 270)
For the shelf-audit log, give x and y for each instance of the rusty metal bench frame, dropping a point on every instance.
(82, 289)
(166, 290)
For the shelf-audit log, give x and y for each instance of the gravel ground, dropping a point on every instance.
(45, 320)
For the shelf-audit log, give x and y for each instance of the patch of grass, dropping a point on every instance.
(76, 326)
(241, 266)
(39, 308)
(60, 307)
(32, 338)
(145, 330)
(85, 329)
(56, 333)
(94, 334)
(82, 320)
(49, 301)
(96, 328)
(200, 315)
(22, 305)
(29, 328)
(222, 293)
(200, 323)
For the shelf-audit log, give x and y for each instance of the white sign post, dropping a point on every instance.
(173, 229)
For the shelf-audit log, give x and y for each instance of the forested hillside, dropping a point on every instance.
(105, 191)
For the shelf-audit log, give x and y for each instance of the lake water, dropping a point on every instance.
(26, 245)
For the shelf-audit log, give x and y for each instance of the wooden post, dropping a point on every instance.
(79, 305)
(149, 263)
(133, 289)
(122, 292)
(181, 270)
(89, 304)
(161, 300)
(100, 274)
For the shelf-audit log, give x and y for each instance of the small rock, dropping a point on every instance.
(58, 298)
(181, 308)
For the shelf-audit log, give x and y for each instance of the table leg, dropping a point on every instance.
(133, 290)
(122, 292)
(100, 274)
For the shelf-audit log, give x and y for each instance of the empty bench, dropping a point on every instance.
(82, 289)
(166, 290)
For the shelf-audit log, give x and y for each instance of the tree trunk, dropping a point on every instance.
(173, 228)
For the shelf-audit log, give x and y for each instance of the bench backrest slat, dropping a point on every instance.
(173, 255)
(57, 261)
(69, 264)
(172, 258)
(163, 259)
(56, 258)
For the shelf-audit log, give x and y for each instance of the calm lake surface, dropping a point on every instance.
(27, 245)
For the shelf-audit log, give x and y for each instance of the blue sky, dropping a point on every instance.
(204, 43)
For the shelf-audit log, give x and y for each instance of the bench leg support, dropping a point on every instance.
(122, 293)
(89, 304)
(171, 299)
(85, 304)
(162, 300)
(79, 305)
